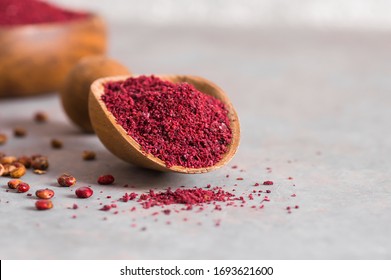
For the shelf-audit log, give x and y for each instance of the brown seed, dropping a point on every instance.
(8, 168)
(44, 204)
(20, 132)
(39, 162)
(84, 192)
(25, 160)
(2, 169)
(23, 187)
(56, 144)
(19, 170)
(66, 180)
(41, 117)
(13, 184)
(39, 171)
(3, 139)
(89, 155)
(8, 160)
(44, 193)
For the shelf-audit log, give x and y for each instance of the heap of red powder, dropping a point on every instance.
(174, 122)
(184, 196)
(19, 12)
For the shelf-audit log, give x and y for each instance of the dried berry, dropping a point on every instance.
(20, 132)
(8, 160)
(66, 180)
(19, 170)
(56, 144)
(23, 187)
(3, 139)
(106, 179)
(13, 184)
(89, 155)
(84, 192)
(44, 193)
(41, 117)
(25, 160)
(39, 162)
(44, 204)
(268, 183)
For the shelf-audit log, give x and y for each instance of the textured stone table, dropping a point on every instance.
(314, 106)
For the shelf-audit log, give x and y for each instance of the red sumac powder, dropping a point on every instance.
(184, 196)
(19, 12)
(174, 122)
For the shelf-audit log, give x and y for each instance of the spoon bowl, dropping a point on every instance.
(116, 139)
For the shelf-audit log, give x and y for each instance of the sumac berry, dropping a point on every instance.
(84, 192)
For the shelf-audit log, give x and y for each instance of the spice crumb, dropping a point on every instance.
(41, 117)
(56, 144)
(105, 208)
(20, 132)
(89, 155)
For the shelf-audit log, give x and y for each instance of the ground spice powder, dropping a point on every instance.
(174, 122)
(184, 196)
(20, 12)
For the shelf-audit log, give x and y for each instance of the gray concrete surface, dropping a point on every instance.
(313, 105)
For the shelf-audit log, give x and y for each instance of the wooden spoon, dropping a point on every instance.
(116, 139)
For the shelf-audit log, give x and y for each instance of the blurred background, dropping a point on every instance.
(356, 14)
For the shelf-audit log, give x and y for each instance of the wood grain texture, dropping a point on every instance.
(76, 88)
(35, 59)
(116, 139)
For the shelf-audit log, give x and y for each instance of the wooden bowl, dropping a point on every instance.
(116, 139)
(35, 58)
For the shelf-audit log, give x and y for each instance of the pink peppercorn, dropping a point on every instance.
(22, 187)
(44, 193)
(44, 204)
(84, 192)
(66, 180)
(106, 179)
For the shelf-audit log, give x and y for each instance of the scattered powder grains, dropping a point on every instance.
(16, 12)
(184, 196)
(268, 183)
(174, 122)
